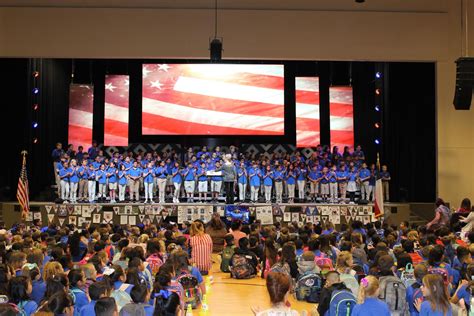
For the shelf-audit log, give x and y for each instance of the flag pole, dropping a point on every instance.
(23, 212)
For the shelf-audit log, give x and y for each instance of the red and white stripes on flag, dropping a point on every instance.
(81, 102)
(307, 111)
(116, 114)
(22, 192)
(213, 99)
(341, 120)
(378, 205)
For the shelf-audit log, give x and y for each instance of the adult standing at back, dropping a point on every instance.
(201, 247)
(230, 175)
(217, 230)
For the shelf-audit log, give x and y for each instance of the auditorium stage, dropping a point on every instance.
(136, 213)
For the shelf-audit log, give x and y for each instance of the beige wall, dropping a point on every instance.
(406, 35)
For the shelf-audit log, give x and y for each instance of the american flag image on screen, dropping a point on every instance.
(213, 99)
(307, 111)
(341, 116)
(116, 110)
(81, 104)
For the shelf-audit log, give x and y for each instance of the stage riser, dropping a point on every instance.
(394, 213)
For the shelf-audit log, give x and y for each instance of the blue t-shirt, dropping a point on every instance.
(426, 310)
(88, 310)
(29, 307)
(313, 175)
(254, 175)
(101, 175)
(371, 306)
(324, 178)
(268, 178)
(176, 175)
(80, 300)
(332, 177)
(148, 175)
(278, 175)
(242, 175)
(342, 174)
(302, 174)
(38, 290)
(161, 172)
(112, 174)
(217, 178)
(122, 175)
(64, 174)
(189, 174)
(364, 173)
(291, 177)
(82, 171)
(464, 293)
(91, 175)
(409, 297)
(135, 172)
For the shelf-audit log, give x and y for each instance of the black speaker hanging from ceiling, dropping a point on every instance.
(464, 83)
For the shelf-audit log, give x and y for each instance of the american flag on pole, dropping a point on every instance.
(22, 193)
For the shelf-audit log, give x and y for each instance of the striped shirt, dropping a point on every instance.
(201, 246)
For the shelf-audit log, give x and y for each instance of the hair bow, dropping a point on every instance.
(364, 282)
(30, 266)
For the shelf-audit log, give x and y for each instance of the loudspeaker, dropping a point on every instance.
(462, 98)
(464, 83)
(216, 49)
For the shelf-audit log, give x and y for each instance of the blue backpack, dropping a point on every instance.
(342, 303)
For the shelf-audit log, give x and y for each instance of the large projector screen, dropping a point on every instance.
(213, 99)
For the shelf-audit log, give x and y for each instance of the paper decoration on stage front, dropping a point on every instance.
(62, 212)
(123, 219)
(50, 218)
(317, 219)
(278, 219)
(220, 210)
(132, 220)
(295, 217)
(86, 211)
(303, 218)
(192, 212)
(141, 217)
(264, 214)
(335, 219)
(359, 218)
(77, 210)
(48, 208)
(141, 208)
(366, 219)
(29, 217)
(118, 210)
(73, 220)
(277, 211)
(158, 218)
(324, 218)
(365, 210)
(343, 210)
(128, 209)
(333, 210)
(286, 216)
(61, 221)
(80, 221)
(96, 218)
(325, 210)
(348, 219)
(37, 215)
(108, 217)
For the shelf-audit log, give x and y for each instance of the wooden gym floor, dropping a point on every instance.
(227, 296)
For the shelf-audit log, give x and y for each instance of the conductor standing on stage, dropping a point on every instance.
(229, 175)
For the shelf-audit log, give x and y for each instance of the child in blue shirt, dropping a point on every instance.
(189, 175)
(74, 181)
(254, 177)
(268, 183)
(291, 183)
(76, 282)
(91, 183)
(313, 179)
(122, 182)
(102, 180)
(177, 181)
(112, 177)
(64, 174)
(97, 290)
(368, 302)
(20, 291)
(435, 292)
(140, 295)
(414, 292)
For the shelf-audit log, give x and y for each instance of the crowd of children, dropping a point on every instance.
(328, 176)
(160, 269)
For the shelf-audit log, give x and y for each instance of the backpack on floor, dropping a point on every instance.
(227, 254)
(342, 303)
(440, 270)
(324, 263)
(393, 292)
(308, 287)
(408, 275)
(282, 268)
(192, 293)
(350, 282)
(241, 267)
